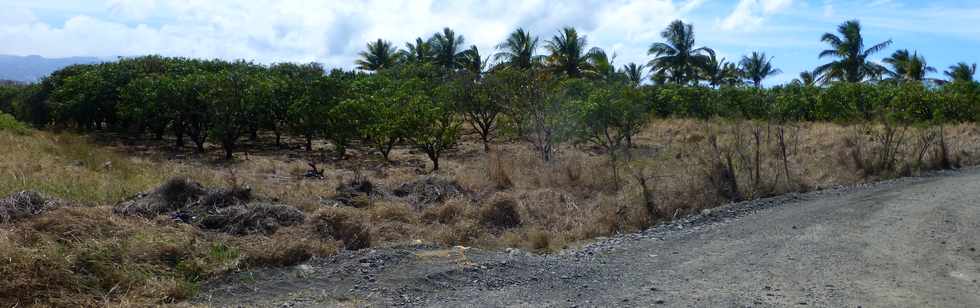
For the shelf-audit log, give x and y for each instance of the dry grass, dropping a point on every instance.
(507, 198)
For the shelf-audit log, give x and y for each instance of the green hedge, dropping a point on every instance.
(845, 102)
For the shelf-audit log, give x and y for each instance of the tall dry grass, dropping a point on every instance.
(509, 198)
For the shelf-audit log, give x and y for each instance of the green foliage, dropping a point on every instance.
(552, 112)
(290, 83)
(612, 115)
(233, 98)
(382, 102)
(10, 124)
(424, 102)
(682, 101)
(434, 124)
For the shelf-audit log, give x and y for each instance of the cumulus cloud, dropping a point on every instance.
(331, 32)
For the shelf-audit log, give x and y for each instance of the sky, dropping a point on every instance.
(332, 32)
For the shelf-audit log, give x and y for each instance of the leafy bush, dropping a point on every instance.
(9, 123)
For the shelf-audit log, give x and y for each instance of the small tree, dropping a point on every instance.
(481, 102)
(290, 83)
(435, 125)
(611, 116)
(384, 100)
(233, 95)
(191, 108)
(342, 118)
(144, 103)
(550, 119)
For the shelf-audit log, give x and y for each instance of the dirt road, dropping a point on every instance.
(907, 243)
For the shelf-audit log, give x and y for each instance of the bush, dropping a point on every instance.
(9, 123)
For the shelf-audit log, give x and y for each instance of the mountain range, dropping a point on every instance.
(33, 68)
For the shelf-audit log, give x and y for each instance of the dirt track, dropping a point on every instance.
(906, 243)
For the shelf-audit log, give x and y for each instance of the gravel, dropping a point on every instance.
(898, 243)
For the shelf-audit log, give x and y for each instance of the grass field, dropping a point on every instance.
(81, 254)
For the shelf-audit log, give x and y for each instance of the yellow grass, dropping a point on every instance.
(576, 197)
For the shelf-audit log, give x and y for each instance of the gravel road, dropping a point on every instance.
(906, 243)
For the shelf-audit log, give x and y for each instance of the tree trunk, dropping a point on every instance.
(229, 150)
(340, 150)
(434, 157)
(179, 133)
(253, 134)
(278, 138)
(158, 133)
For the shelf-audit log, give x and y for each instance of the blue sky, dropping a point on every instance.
(332, 32)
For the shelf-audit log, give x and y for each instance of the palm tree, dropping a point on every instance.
(601, 64)
(470, 60)
(379, 55)
(677, 58)
(447, 47)
(807, 79)
(852, 64)
(658, 78)
(518, 50)
(757, 67)
(908, 66)
(420, 52)
(962, 72)
(718, 72)
(731, 75)
(567, 52)
(634, 73)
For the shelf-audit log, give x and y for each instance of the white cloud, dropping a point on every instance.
(775, 6)
(132, 9)
(749, 14)
(331, 32)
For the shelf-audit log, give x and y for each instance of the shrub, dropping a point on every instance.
(9, 123)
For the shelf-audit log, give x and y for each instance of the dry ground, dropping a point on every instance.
(506, 198)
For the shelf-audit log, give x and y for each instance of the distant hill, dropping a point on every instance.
(33, 68)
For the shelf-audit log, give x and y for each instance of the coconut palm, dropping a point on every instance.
(601, 64)
(852, 64)
(807, 78)
(633, 73)
(518, 50)
(908, 66)
(677, 58)
(447, 47)
(379, 55)
(567, 53)
(962, 72)
(658, 78)
(419, 52)
(719, 72)
(757, 67)
(470, 60)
